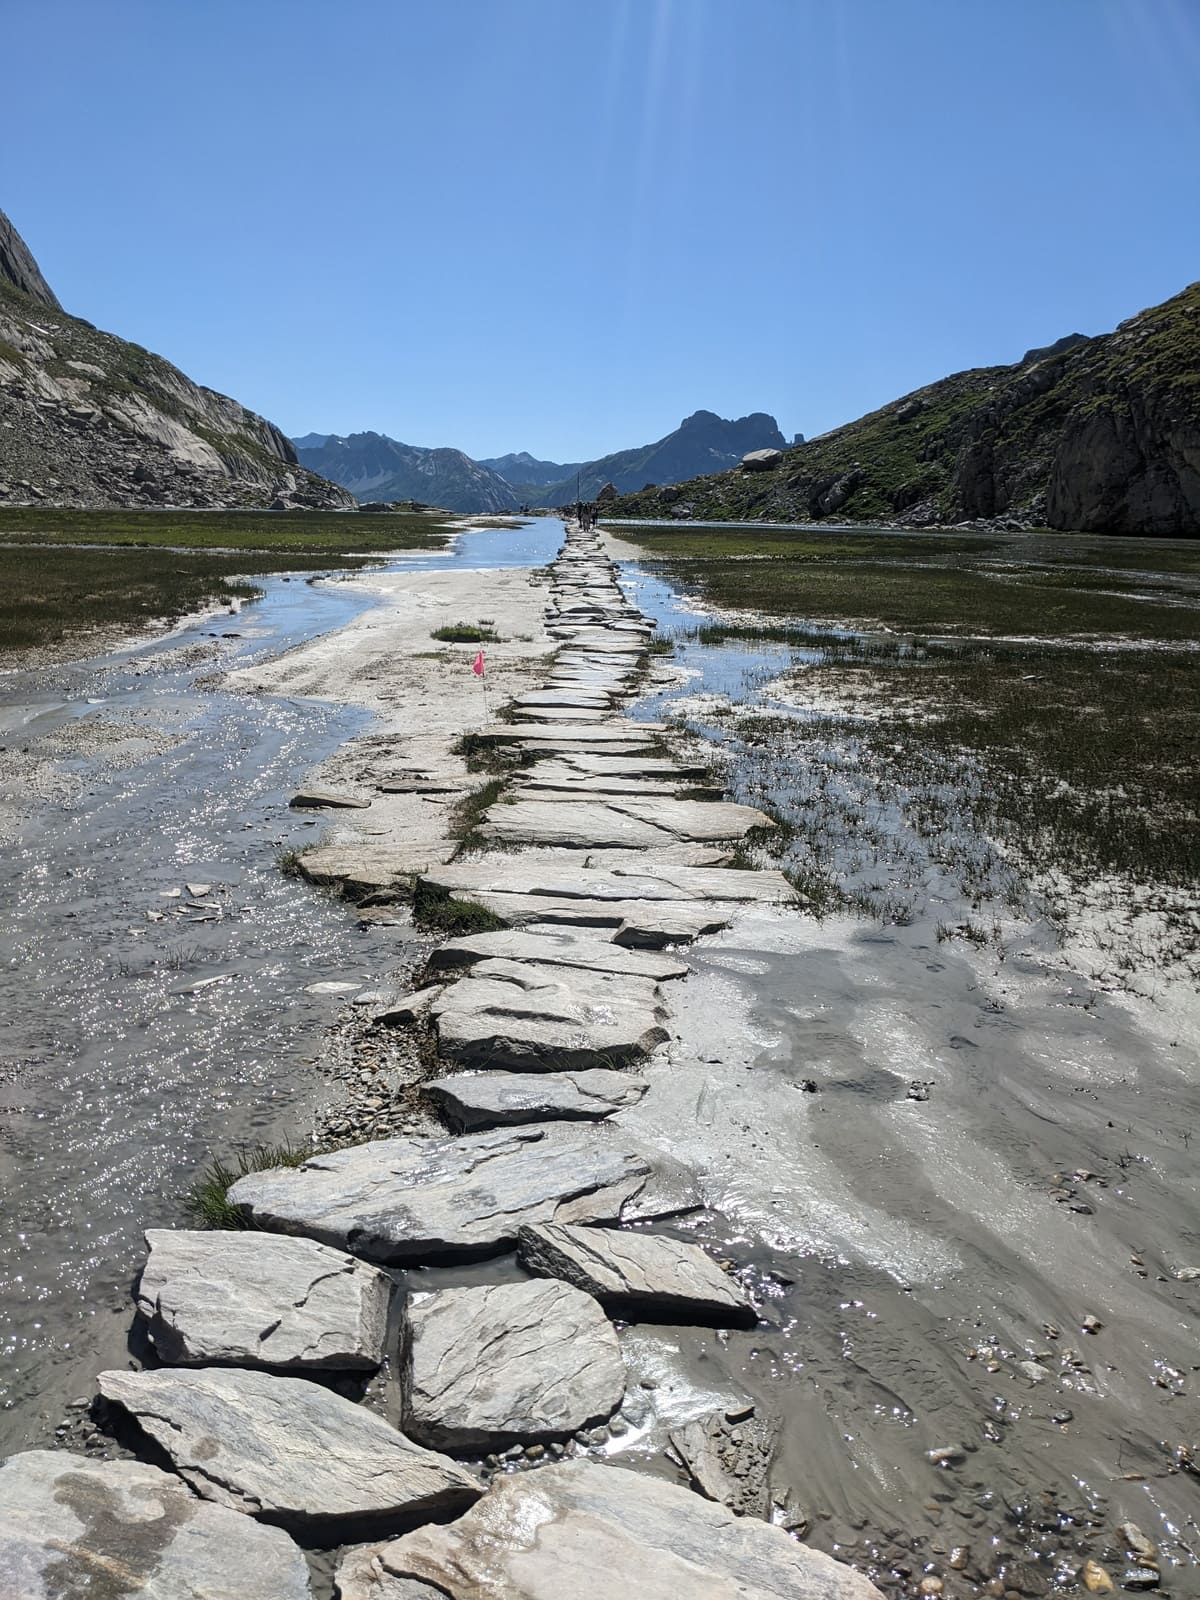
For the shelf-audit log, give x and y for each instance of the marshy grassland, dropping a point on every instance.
(971, 721)
(65, 574)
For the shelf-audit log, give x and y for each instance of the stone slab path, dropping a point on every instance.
(611, 853)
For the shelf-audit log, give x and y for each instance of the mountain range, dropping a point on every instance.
(88, 419)
(374, 467)
(1097, 434)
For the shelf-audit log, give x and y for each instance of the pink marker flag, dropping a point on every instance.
(477, 665)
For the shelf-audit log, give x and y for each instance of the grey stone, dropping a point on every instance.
(327, 799)
(114, 1530)
(761, 460)
(288, 1450)
(637, 1273)
(528, 874)
(592, 1532)
(520, 1014)
(555, 947)
(491, 1364)
(261, 1301)
(492, 1099)
(415, 1200)
(730, 1461)
(636, 924)
(361, 1575)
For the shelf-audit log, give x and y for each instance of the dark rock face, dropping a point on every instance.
(703, 442)
(18, 267)
(87, 419)
(1100, 435)
(374, 467)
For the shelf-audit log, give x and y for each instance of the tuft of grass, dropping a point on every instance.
(435, 911)
(288, 862)
(464, 633)
(207, 1201)
(470, 811)
(487, 755)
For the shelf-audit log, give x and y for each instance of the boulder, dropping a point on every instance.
(637, 1274)
(361, 1575)
(257, 1300)
(116, 1530)
(421, 1200)
(289, 1451)
(761, 460)
(492, 1099)
(495, 1364)
(593, 1532)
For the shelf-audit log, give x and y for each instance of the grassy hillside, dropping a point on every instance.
(1101, 436)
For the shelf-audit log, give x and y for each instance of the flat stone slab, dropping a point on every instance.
(117, 1530)
(288, 1450)
(495, 1099)
(595, 1532)
(581, 824)
(637, 1274)
(557, 786)
(362, 869)
(329, 799)
(257, 1300)
(497, 1364)
(631, 823)
(634, 766)
(361, 1576)
(636, 924)
(568, 714)
(563, 698)
(588, 733)
(520, 1014)
(555, 947)
(423, 1200)
(525, 874)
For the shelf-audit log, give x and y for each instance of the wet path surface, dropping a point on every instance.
(147, 1027)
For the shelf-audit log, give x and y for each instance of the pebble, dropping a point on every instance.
(944, 1455)
(960, 1556)
(1096, 1578)
(1092, 1324)
(1136, 1542)
(930, 1586)
(1140, 1578)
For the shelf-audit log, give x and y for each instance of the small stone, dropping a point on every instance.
(1096, 1578)
(1034, 1371)
(930, 1586)
(1187, 1274)
(1091, 1324)
(1141, 1578)
(960, 1556)
(944, 1455)
(1136, 1542)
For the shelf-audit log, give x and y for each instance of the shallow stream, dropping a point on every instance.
(147, 1027)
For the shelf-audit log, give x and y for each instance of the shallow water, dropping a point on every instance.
(145, 1027)
(938, 1160)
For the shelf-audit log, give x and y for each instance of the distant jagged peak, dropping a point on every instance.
(18, 267)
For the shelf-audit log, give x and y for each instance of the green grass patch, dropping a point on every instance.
(464, 633)
(320, 534)
(435, 911)
(207, 1203)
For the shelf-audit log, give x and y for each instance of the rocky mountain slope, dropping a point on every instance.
(1098, 434)
(374, 467)
(702, 443)
(87, 419)
(526, 473)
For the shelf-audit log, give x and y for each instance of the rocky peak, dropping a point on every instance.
(18, 267)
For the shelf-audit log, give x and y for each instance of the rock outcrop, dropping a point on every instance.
(374, 467)
(1100, 435)
(87, 419)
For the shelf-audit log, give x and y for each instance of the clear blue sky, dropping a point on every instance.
(561, 225)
